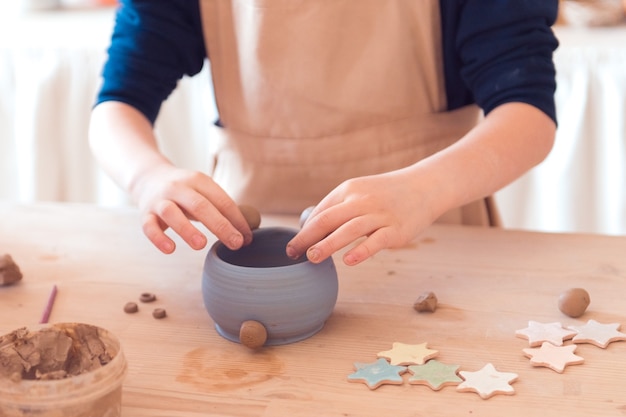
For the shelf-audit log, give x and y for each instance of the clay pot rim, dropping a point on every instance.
(296, 263)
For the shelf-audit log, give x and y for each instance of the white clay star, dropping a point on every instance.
(537, 333)
(598, 334)
(553, 357)
(487, 382)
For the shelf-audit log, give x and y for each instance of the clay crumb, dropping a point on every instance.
(147, 297)
(159, 313)
(427, 301)
(131, 308)
(9, 271)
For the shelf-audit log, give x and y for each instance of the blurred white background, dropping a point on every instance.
(50, 63)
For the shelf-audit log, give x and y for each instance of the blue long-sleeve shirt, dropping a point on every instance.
(494, 51)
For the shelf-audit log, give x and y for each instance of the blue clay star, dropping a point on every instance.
(377, 373)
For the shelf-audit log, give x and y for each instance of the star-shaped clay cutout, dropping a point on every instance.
(598, 334)
(537, 333)
(487, 382)
(434, 374)
(377, 373)
(553, 357)
(403, 354)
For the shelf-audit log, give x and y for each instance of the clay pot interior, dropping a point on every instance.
(267, 250)
(291, 299)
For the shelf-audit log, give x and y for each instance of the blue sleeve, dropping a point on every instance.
(499, 51)
(154, 44)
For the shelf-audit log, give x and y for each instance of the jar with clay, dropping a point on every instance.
(61, 370)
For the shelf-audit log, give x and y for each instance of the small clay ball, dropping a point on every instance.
(159, 313)
(252, 334)
(305, 215)
(131, 308)
(252, 215)
(574, 302)
(427, 301)
(147, 297)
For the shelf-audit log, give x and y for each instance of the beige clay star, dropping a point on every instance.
(487, 382)
(537, 333)
(553, 357)
(403, 354)
(598, 334)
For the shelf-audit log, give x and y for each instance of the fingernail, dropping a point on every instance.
(350, 260)
(235, 241)
(313, 254)
(198, 241)
(291, 252)
(167, 247)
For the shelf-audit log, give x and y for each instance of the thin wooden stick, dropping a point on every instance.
(46, 312)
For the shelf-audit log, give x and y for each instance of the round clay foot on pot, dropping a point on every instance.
(252, 334)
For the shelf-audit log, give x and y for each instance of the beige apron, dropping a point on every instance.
(314, 92)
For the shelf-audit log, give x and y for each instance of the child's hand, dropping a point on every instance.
(170, 198)
(384, 209)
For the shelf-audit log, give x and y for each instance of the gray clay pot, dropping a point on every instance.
(292, 299)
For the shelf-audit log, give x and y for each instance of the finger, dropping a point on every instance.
(174, 217)
(376, 242)
(316, 228)
(155, 232)
(198, 206)
(339, 239)
(222, 216)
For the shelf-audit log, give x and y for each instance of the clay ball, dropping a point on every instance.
(252, 215)
(252, 334)
(574, 302)
(305, 215)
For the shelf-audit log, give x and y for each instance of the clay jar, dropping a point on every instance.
(292, 299)
(97, 393)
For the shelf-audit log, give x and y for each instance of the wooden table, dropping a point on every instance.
(489, 282)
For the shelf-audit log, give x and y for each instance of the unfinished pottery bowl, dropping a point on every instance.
(259, 284)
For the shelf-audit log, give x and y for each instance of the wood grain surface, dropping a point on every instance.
(489, 283)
